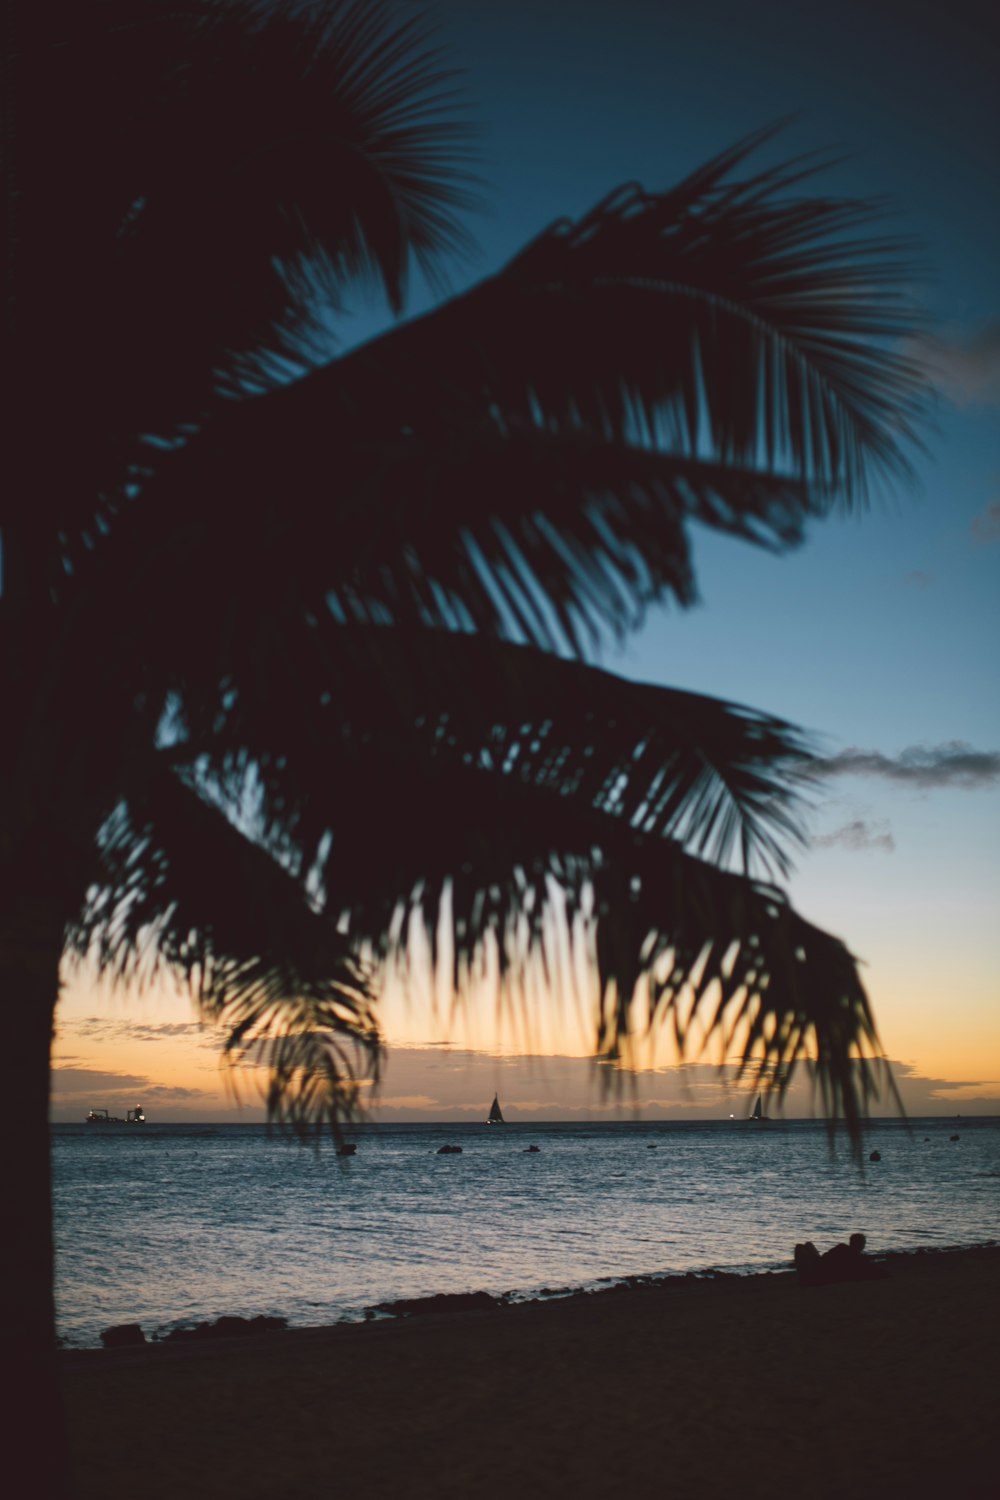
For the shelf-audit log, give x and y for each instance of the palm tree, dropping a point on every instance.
(294, 644)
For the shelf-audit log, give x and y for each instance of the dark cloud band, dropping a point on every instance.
(954, 764)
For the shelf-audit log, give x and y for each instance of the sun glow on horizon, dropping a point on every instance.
(442, 1059)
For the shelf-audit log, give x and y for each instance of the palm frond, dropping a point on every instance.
(721, 778)
(525, 460)
(502, 864)
(426, 804)
(177, 886)
(695, 943)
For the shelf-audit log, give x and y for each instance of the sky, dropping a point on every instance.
(881, 635)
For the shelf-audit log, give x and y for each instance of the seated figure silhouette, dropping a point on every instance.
(841, 1263)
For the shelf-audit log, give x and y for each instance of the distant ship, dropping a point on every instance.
(495, 1116)
(101, 1117)
(757, 1114)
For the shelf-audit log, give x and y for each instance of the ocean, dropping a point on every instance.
(172, 1225)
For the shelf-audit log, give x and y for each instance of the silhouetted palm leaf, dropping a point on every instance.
(525, 458)
(483, 765)
(176, 886)
(719, 777)
(668, 936)
(451, 778)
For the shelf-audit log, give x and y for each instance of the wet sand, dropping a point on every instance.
(744, 1387)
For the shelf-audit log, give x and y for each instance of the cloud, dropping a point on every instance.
(858, 836)
(74, 1080)
(986, 528)
(953, 764)
(923, 1094)
(165, 1092)
(964, 365)
(425, 1103)
(105, 1029)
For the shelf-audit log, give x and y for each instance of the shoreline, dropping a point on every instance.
(693, 1384)
(446, 1303)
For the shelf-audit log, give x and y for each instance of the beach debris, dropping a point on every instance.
(446, 1302)
(227, 1327)
(123, 1336)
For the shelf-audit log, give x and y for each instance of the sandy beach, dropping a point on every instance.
(752, 1386)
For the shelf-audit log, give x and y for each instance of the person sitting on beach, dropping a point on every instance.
(841, 1263)
(807, 1259)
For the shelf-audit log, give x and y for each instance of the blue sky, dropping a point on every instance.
(881, 633)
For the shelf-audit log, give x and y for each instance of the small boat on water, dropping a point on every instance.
(495, 1116)
(101, 1117)
(757, 1115)
(346, 1148)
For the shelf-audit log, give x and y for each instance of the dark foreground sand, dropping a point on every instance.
(746, 1387)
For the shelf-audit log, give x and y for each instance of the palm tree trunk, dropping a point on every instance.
(29, 987)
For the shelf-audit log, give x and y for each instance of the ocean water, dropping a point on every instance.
(171, 1225)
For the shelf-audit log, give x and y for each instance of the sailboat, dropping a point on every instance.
(495, 1116)
(757, 1113)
